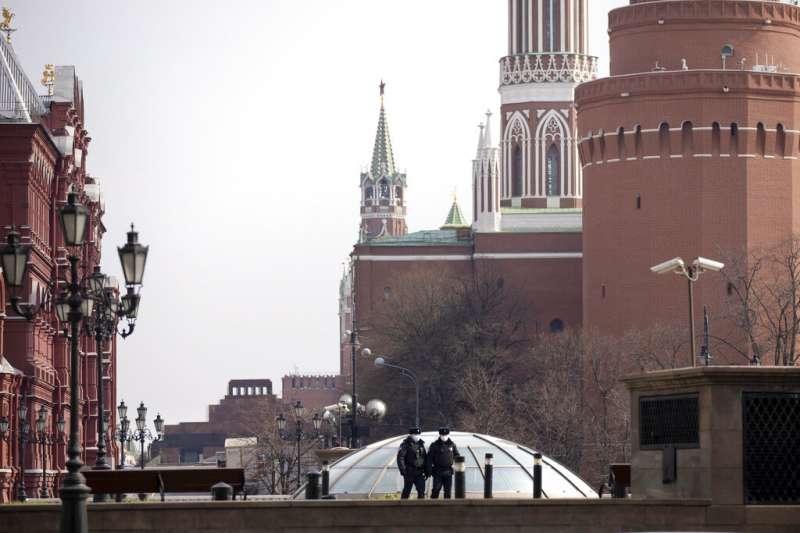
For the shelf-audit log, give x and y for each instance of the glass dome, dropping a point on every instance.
(371, 472)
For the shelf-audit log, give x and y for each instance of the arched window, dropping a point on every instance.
(556, 325)
(398, 192)
(553, 171)
(761, 139)
(637, 142)
(780, 141)
(734, 139)
(663, 139)
(621, 144)
(368, 193)
(715, 139)
(516, 172)
(687, 139)
(384, 188)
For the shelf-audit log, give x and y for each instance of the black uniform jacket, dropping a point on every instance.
(411, 457)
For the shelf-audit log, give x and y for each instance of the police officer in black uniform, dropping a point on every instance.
(441, 456)
(411, 460)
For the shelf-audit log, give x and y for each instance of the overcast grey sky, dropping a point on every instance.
(233, 134)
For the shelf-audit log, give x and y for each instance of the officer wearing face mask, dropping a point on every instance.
(411, 459)
(441, 456)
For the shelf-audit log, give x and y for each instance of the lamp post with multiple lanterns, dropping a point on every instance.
(142, 433)
(298, 436)
(76, 303)
(44, 437)
(22, 439)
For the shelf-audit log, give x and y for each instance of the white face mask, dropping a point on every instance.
(415, 438)
(443, 438)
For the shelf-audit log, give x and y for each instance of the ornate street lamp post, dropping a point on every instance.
(382, 362)
(22, 438)
(14, 258)
(101, 324)
(44, 437)
(299, 435)
(142, 432)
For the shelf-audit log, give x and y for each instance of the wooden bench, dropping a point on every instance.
(163, 480)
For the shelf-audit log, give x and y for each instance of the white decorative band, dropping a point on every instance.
(532, 255)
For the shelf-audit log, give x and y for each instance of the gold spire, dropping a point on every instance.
(5, 25)
(49, 78)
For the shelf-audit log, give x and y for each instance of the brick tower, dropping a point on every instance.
(383, 188)
(547, 58)
(689, 149)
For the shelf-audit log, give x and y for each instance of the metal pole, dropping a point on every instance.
(21, 494)
(74, 491)
(488, 471)
(122, 438)
(299, 471)
(43, 492)
(141, 444)
(101, 463)
(691, 316)
(537, 475)
(459, 475)
(326, 478)
(354, 429)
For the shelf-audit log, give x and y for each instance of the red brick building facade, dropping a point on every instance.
(44, 148)
(689, 148)
(527, 194)
(247, 403)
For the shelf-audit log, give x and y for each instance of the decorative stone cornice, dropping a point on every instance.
(725, 83)
(773, 376)
(645, 13)
(544, 68)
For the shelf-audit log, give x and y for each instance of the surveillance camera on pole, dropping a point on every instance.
(692, 274)
(707, 265)
(673, 266)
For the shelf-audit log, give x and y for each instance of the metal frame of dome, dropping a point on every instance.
(371, 472)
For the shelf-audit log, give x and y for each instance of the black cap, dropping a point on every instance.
(444, 431)
(414, 431)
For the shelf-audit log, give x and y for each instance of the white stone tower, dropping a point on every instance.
(548, 57)
(486, 182)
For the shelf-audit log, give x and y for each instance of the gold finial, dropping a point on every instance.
(5, 25)
(49, 78)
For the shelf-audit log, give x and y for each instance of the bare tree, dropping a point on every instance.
(765, 305)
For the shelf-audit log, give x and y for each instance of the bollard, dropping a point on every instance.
(221, 492)
(537, 475)
(312, 486)
(487, 476)
(459, 481)
(326, 478)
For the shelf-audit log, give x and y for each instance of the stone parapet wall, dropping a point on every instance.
(761, 33)
(472, 516)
